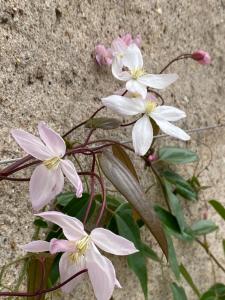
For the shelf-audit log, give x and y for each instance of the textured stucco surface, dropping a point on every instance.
(47, 73)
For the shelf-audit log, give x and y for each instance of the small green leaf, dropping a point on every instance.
(77, 207)
(65, 198)
(189, 280)
(216, 292)
(175, 205)
(40, 223)
(54, 272)
(129, 229)
(182, 187)
(173, 257)
(178, 292)
(220, 209)
(175, 155)
(148, 252)
(103, 123)
(203, 227)
(167, 219)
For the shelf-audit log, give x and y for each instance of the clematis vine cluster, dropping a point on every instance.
(80, 223)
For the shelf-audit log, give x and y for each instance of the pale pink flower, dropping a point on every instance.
(80, 252)
(128, 40)
(103, 55)
(202, 57)
(47, 180)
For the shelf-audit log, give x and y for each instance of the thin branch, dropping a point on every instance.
(44, 291)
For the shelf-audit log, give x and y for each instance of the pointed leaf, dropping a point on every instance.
(220, 209)
(122, 155)
(203, 227)
(178, 292)
(103, 123)
(173, 258)
(189, 280)
(175, 155)
(129, 187)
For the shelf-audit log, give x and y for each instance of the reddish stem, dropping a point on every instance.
(44, 291)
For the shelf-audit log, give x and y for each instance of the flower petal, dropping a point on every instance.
(171, 129)
(44, 185)
(72, 228)
(31, 144)
(168, 113)
(70, 172)
(101, 273)
(53, 140)
(123, 105)
(160, 81)
(142, 135)
(136, 87)
(133, 58)
(112, 243)
(61, 246)
(36, 246)
(68, 268)
(117, 71)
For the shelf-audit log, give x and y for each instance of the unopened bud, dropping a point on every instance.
(152, 157)
(103, 55)
(201, 57)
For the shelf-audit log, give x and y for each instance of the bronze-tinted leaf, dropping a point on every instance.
(122, 155)
(103, 123)
(129, 187)
(36, 279)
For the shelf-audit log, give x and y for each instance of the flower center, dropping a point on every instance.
(51, 163)
(150, 106)
(136, 73)
(81, 247)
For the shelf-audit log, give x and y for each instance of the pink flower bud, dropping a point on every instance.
(152, 157)
(127, 39)
(103, 55)
(201, 57)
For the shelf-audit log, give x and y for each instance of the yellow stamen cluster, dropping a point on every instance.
(150, 106)
(81, 247)
(136, 73)
(51, 163)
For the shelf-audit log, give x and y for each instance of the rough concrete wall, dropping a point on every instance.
(47, 73)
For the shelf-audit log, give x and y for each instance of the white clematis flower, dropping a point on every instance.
(142, 133)
(80, 252)
(137, 79)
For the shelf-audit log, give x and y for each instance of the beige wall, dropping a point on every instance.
(47, 73)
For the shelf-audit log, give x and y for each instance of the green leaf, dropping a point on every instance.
(77, 207)
(189, 280)
(54, 272)
(103, 123)
(178, 292)
(40, 223)
(220, 209)
(128, 186)
(203, 227)
(175, 205)
(175, 155)
(167, 219)
(65, 198)
(148, 252)
(182, 187)
(129, 229)
(173, 257)
(216, 292)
